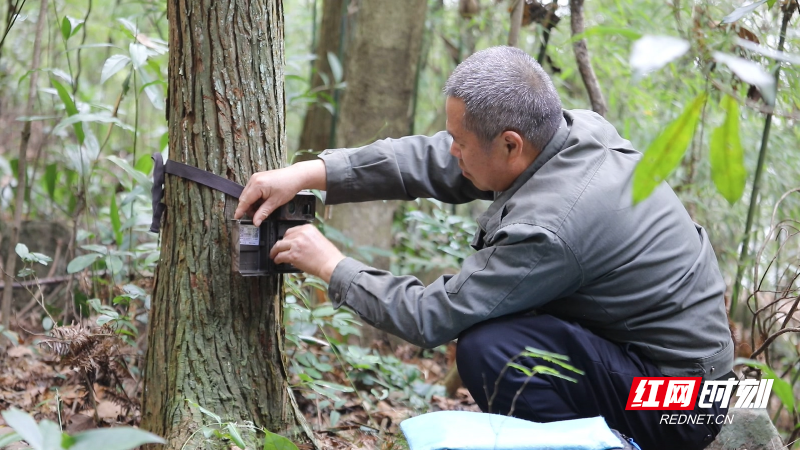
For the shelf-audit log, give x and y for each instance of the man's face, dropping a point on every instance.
(485, 164)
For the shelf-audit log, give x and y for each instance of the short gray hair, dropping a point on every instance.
(503, 88)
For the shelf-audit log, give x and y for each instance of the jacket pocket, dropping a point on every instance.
(472, 265)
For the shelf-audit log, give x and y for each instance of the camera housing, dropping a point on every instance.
(252, 244)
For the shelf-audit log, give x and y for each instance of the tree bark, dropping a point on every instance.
(216, 338)
(584, 61)
(318, 123)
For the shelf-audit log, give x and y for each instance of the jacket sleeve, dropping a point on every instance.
(526, 268)
(398, 169)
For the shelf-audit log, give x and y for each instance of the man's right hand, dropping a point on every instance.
(266, 191)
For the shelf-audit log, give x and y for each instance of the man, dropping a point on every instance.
(624, 290)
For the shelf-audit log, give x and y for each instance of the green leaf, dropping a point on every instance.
(140, 178)
(770, 3)
(25, 272)
(521, 368)
(154, 89)
(274, 441)
(66, 28)
(742, 11)
(235, 436)
(9, 438)
(114, 263)
(750, 72)
(144, 164)
(50, 178)
(25, 426)
(666, 151)
(117, 438)
(727, 156)
(22, 250)
(651, 53)
(780, 386)
(113, 64)
(70, 26)
(81, 262)
(69, 105)
(91, 117)
(164, 141)
(116, 223)
(336, 67)
(138, 54)
(51, 435)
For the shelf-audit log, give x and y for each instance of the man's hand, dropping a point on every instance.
(277, 187)
(308, 250)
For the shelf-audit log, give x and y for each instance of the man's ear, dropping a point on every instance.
(513, 143)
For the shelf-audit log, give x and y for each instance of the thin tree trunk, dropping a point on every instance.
(516, 22)
(216, 338)
(377, 103)
(318, 123)
(584, 61)
(22, 168)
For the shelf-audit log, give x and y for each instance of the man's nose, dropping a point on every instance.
(454, 150)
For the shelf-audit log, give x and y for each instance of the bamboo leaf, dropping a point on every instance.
(666, 151)
(336, 67)
(116, 223)
(742, 11)
(235, 436)
(69, 105)
(50, 178)
(653, 52)
(727, 156)
(113, 64)
(750, 72)
(521, 368)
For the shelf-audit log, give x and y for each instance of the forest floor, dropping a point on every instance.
(44, 377)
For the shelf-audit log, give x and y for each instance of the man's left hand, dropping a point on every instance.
(308, 250)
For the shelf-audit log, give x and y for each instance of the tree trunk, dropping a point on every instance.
(318, 123)
(377, 103)
(215, 338)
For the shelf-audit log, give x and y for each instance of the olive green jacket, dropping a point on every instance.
(564, 239)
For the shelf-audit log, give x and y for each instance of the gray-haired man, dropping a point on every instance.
(623, 290)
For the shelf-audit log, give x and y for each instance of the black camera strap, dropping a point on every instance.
(160, 169)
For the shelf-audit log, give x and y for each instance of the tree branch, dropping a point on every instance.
(516, 22)
(584, 62)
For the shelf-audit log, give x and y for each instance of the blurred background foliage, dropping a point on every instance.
(98, 112)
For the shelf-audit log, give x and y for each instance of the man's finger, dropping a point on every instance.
(249, 196)
(281, 246)
(263, 212)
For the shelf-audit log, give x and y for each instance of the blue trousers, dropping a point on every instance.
(485, 349)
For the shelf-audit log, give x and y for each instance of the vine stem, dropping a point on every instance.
(788, 10)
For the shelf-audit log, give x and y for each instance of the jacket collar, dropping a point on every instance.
(489, 221)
